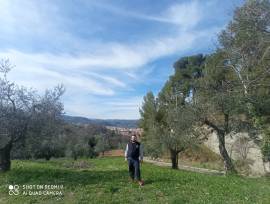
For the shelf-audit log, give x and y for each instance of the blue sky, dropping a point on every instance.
(107, 53)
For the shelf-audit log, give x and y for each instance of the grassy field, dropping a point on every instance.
(105, 180)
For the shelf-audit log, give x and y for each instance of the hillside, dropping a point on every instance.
(104, 122)
(105, 180)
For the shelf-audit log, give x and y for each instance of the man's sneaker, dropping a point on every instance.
(141, 182)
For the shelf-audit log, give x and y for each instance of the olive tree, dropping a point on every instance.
(17, 105)
(24, 115)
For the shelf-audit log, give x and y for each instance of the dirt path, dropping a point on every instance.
(187, 168)
(162, 163)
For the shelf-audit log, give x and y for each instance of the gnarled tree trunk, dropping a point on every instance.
(47, 157)
(228, 165)
(174, 159)
(5, 162)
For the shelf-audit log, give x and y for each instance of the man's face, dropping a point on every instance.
(133, 138)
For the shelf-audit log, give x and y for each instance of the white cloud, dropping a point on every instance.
(34, 71)
(43, 70)
(27, 17)
(109, 79)
(116, 56)
(127, 108)
(82, 70)
(186, 14)
(30, 18)
(93, 67)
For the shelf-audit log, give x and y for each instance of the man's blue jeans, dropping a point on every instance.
(134, 168)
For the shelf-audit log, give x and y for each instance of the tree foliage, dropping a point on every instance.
(227, 90)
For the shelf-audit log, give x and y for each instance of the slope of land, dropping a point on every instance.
(103, 122)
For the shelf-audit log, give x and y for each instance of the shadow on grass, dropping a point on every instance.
(69, 178)
(155, 181)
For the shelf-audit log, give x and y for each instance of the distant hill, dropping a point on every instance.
(105, 122)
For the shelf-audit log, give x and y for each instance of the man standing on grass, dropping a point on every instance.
(134, 155)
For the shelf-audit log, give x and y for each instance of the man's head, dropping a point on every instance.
(133, 138)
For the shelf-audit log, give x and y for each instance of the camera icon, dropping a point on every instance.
(13, 189)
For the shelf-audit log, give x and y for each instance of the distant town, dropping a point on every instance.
(126, 132)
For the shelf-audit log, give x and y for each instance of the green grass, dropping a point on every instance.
(105, 180)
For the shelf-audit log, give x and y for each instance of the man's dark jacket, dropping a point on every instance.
(133, 150)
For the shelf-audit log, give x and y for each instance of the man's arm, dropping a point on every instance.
(126, 152)
(141, 152)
